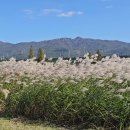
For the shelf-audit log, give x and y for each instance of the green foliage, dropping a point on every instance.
(84, 104)
(31, 53)
(40, 56)
(99, 55)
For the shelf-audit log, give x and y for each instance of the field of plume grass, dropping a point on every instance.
(84, 94)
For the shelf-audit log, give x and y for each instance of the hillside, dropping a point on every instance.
(65, 47)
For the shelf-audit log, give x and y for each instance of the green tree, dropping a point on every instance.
(31, 53)
(40, 55)
(99, 55)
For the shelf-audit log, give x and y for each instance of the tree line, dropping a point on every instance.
(41, 55)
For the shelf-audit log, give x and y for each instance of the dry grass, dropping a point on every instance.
(18, 125)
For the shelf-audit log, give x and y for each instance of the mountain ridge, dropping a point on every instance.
(65, 47)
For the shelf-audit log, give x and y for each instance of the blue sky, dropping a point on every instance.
(37, 20)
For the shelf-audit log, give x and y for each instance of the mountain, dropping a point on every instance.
(65, 47)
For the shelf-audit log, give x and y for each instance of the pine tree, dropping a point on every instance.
(40, 55)
(31, 53)
(99, 55)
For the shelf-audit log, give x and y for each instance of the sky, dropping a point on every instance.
(38, 20)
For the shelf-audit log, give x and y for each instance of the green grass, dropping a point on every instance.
(85, 104)
(90, 103)
(18, 125)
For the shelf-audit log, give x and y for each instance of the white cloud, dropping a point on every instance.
(70, 13)
(48, 11)
(56, 12)
(28, 11)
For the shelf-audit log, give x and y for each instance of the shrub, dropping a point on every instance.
(83, 104)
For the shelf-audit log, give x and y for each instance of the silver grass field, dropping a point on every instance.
(70, 95)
